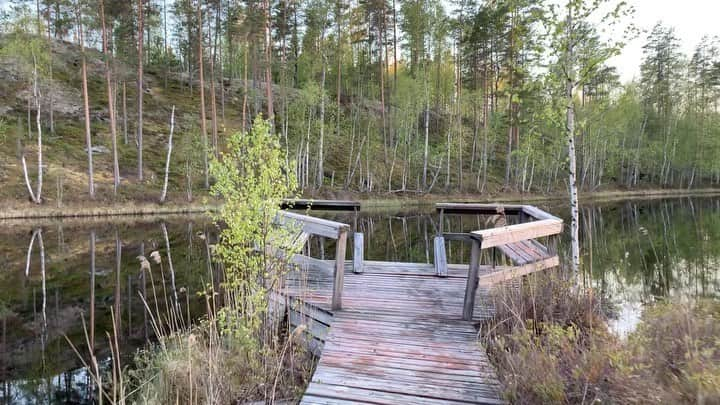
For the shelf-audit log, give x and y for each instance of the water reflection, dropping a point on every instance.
(634, 252)
(72, 273)
(55, 273)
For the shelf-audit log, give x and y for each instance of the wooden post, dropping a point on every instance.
(472, 281)
(339, 276)
(358, 252)
(440, 257)
(442, 217)
(355, 218)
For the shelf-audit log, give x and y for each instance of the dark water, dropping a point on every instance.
(634, 253)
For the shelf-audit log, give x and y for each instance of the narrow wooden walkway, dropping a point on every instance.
(399, 339)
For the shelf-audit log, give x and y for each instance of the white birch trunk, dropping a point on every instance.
(167, 160)
(570, 133)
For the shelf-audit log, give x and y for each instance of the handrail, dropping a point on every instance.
(328, 229)
(515, 233)
(541, 224)
(315, 226)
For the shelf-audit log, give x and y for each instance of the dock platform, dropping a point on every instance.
(406, 333)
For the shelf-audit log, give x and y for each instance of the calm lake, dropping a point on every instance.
(634, 253)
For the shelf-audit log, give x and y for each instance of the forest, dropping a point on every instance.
(409, 97)
(195, 123)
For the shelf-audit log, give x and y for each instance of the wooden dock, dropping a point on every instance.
(405, 333)
(399, 339)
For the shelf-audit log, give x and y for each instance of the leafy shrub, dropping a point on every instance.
(239, 352)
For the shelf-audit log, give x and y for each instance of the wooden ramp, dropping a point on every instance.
(399, 338)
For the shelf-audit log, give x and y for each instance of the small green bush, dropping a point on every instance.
(239, 352)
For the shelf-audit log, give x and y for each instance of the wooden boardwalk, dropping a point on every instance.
(404, 333)
(399, 339)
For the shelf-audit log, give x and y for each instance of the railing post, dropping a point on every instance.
(339, 276)
(442, 219)
(472, 281)
(440, 257)
(358, 252)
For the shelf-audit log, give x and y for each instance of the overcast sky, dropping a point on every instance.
(691, 18)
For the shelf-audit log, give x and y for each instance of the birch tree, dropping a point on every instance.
(169, 152)
(575, 69)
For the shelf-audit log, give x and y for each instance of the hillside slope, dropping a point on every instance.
(65, 157)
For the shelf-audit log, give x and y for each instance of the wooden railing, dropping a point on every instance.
(507, 237)
(327, 229)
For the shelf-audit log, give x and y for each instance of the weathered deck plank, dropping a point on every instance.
(399, 339)
(378, 361)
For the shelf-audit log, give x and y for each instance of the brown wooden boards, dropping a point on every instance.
(339, 276)
(472, 282)
(383, 360)
(524, 252)
(471, 208)
(312, 225)
(396, 333)
(399, 338)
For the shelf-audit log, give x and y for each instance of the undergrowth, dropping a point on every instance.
(242, 350)
(550, 343)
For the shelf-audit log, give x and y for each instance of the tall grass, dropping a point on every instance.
(550, 343)
(241, 349)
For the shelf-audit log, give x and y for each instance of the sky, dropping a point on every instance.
(691, 19)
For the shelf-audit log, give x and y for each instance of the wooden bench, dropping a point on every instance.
(524, 252)
(517, 242)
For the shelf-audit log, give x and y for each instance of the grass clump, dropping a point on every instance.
(550, 343)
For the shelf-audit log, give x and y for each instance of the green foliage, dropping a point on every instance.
(27, 50)
(678, 344)
(238, 349)
(251, 179)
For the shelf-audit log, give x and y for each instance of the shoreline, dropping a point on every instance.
(366, 202)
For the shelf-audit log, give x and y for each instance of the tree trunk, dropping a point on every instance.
(427, 133)
(111, 102)
(36, 197)
(141, 11)
(203, 124)
(570, 133)
(245, 84)
(124, 107)
(382, 93)
(213, 100)
(38, 193)
(50, 77)
(169, 152)
(86, 106)
(320, 175)
(268, 66)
